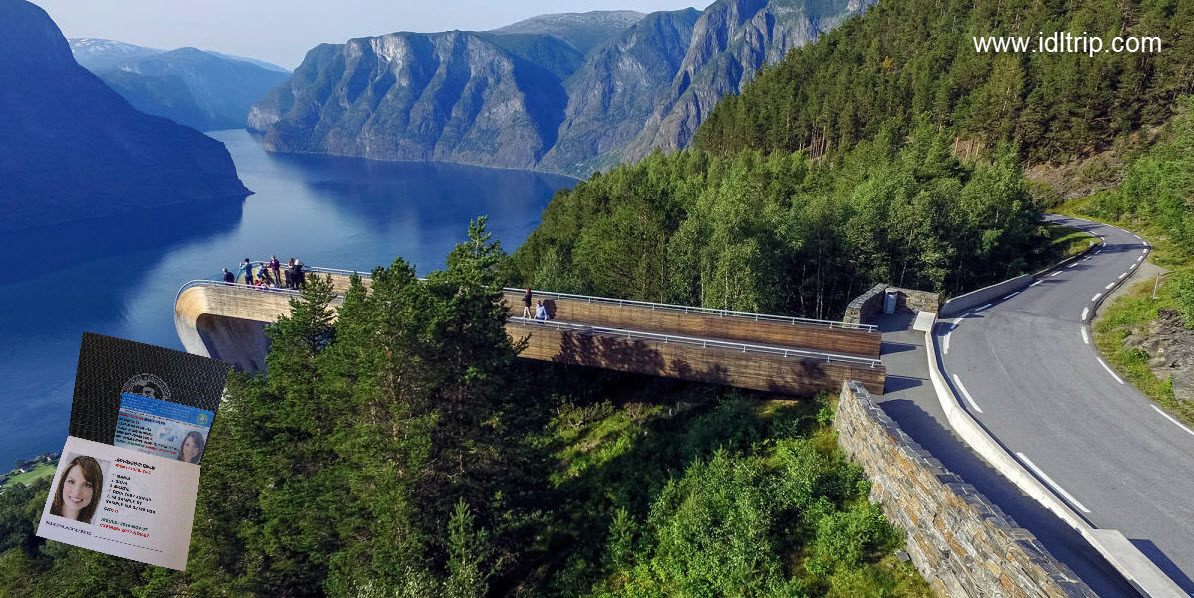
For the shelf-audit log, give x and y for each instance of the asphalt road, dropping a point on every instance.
(1026, 369)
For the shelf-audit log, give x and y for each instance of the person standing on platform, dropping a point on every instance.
(246, 268)
(276, 266)
(300, 279)
(290, 282)
(229, 278)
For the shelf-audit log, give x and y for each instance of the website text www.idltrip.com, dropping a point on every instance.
(1058, 43)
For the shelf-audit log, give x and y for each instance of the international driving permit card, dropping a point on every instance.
(128, 478)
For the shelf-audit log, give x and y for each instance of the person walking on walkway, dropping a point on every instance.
(246, 268)
(526, 304)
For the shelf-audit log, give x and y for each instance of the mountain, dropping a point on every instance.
(99, 55)
(918, 59)
(566, 93)
(582, 31)
(617, 89)
(732, 40)
(269, 66)
(71, 148)
(454, 96)
(198, 88)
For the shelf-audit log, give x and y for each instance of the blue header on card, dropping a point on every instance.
(165, 409)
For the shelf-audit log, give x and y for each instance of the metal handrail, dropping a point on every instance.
(702, 342)
(600, 330)
(190, 284)
(701, 310)
(645, 304)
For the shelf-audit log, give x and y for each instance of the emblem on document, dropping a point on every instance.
(147, 385)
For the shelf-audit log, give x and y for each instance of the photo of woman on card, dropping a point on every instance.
(78, 493)
(192, 447)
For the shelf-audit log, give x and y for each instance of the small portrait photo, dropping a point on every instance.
(79, 486)
(191, 447)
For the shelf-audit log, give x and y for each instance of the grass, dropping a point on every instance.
(43, 470)
(1135, 310)
(1066, 242)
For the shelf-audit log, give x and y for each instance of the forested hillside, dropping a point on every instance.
(914, 57)
(888, 151)
(401, 450)
(779, 233)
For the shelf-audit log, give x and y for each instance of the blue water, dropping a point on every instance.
(119, 276)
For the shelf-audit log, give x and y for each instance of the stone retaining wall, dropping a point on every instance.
(912, 300)
(961, 543)
(865, 306)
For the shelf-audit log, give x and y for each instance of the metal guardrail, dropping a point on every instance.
(599, 330)
(696, 341)
(190, 284)
(709, 311)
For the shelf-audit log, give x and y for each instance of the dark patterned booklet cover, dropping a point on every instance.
(129, 473)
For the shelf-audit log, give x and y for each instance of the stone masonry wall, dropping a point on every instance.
(912, 300)
(863, 307)
(963, 545)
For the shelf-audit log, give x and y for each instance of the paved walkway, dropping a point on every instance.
(910, 400)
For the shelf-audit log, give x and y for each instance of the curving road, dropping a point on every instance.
(1027, 370)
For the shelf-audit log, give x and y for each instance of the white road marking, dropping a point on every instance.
(1121, 276)
(1012, 295)
(1098, 252)
(1101, 238)
(1109, 370)
(1085, 312)
(1035, 283)
(1172, 419)
(1147, 244)
(1096, 297)
(1137, 236)
(1048, 480)
(1055, 273)
(1085, 336)
(958, 382)
(945, 343)
(1138, 259)
(1086, 258)
(1072, 265)
(1143, 252)
(1109, 285)
(982, 308)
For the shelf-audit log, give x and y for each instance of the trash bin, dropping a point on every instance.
(889, 302)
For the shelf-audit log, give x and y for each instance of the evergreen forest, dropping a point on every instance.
(401, 450)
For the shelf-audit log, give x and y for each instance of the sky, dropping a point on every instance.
(281, 31)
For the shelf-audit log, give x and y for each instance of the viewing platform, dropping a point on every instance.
(781, 354)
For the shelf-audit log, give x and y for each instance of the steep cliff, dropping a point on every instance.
(452, 96)
(564, 93)
(732, 40)
(71, 148)
(615, 91)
